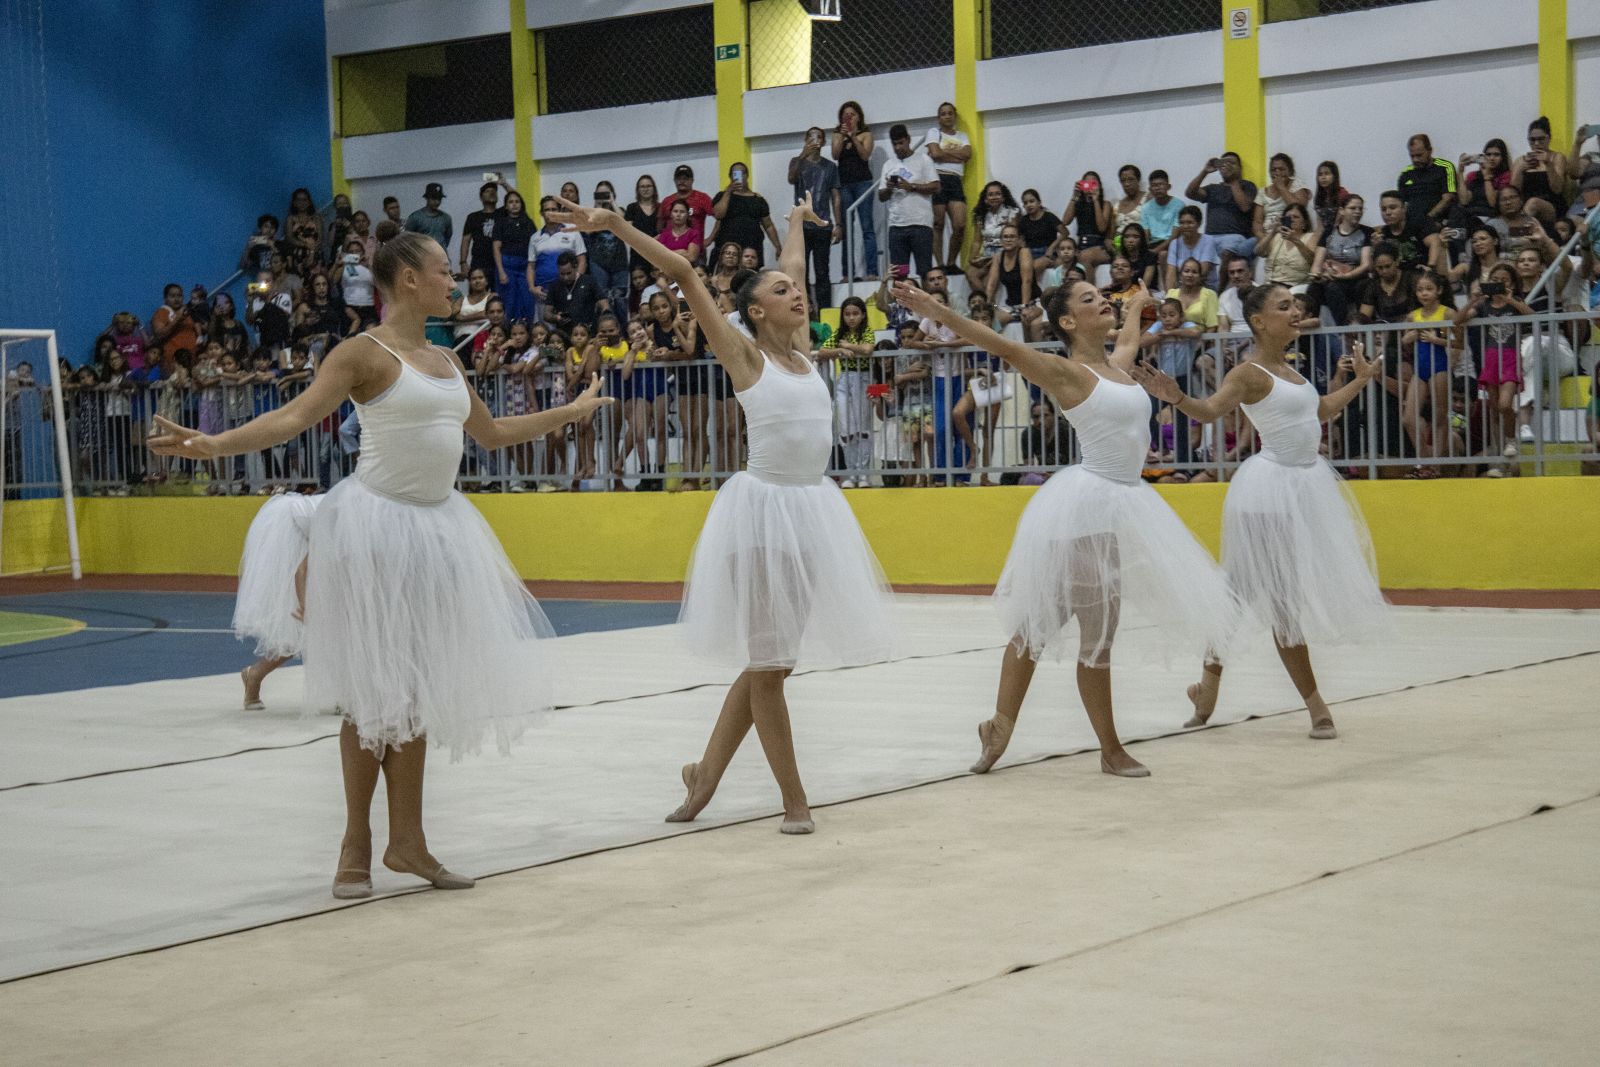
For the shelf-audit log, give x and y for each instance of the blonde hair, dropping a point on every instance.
(395, 255)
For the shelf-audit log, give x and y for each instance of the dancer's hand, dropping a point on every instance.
(915, 300)
(167, 438)
(1364, 369)
(583, 219)
(1160, 385)
(805, 210)
(1138, 301)
(589, 401)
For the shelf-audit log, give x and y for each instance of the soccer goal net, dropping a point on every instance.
(38, 523)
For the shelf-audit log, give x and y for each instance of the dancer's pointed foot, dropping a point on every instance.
(692, 805)
(1203, 695)
(424, 866)
(797, 822)
(1122, 765)
(1321, 719)
(993, 735)
(353, 879)
(252, 689)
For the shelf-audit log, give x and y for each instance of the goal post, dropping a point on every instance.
(38, 514)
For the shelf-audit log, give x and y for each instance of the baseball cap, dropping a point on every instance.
(434, 191)
(683, 171)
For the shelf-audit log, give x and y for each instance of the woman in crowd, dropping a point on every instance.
(743, 218)
(513, 233)
(323, 314)
(1294, 546)
(1127, 209)
(1483, 254)
(679, 236)
(1278, 194)
(1095, 539)
(225, 328)
(302, 226)
(1011, 275)
(416, 623)
(950, 149)
(1199, 302)
(1480, 189)
(781, 573)
(851, 348)
(852, 151)
(607, 256)
(1540, 175)
(1289, 247)
(996, 207)
(644, 215)
(270, 606)
(1038, 226)
(1330, 196)
(474, 307)
(1386, 298)
(726, 265)
(1342, 262)
(1135, 246)
(1089, 209)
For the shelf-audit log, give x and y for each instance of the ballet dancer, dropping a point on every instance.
(781, 572)
(1294, 545)
(270, 606)
(416, 624)
(1094, 537)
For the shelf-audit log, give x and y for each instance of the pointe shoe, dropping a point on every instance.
(444, 879)
(797, 826)
(994, 735)
(1197, 719)
(352, 890)
(250, 705)
(681, 814)
(1138, 770)
(1323, 731)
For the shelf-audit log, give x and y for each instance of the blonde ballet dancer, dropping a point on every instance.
(1294, 545)
(1094, 538)
(782, 573)
(269, 608)
(416, 625)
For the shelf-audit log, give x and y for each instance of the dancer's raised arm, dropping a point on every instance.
(1362, 371)
(1045, 369)
(1125, 352)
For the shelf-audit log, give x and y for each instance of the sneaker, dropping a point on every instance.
(549, 487)
(1494, 472)
(1525, 435)
(1510, 451)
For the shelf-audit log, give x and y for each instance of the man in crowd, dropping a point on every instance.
(699, 203)
(908, 183)
(810, 173)
(1230, 205)
(1417, 241)
(391, 209)
(1428, 185)
(477, 233)
(573, 297)
(429, 220)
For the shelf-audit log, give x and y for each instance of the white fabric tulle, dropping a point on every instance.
(266, 607)
(1298, 554)
(1113, 554)
(782, 576)
(417, 624)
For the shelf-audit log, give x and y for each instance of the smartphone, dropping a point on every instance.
(739, 175)
(1492, 288)
(490, 176)
(1088, 186)
(683, 306)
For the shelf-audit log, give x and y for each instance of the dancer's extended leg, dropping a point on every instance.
(408, 847)
(1098, 611)
(701, 778)
(1204, 695)
(1016, 672)
(360, 769)
(770, 711)
(1297, 661)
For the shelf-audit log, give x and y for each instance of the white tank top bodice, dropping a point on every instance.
(411, 434)
(1286, 419)
(1113, 426)
(790, 421)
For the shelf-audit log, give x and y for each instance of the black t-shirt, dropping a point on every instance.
(742, 223)
(647, 223)
(514, 232)
(1222, 211)
(576, 302)
(1038, 233)
(1423, 187)
(606, 251)
(1387, 307)
(234, 338)
(272, 325)
(1410, 242)
(479, 231)
(852, 168)
(326, 318)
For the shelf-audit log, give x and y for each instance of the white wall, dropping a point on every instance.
(355, 26)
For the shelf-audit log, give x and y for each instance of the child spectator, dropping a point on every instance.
(911, 373)
(355, 284)
(1175, 342)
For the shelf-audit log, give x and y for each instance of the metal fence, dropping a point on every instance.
(425, 86)
(1023, 27)
(639, 59)
(902, 418)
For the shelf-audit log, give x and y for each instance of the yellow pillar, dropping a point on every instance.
(730, 31)
(971, 45)
(526, 71)
(1555, 72)
(1244, 109)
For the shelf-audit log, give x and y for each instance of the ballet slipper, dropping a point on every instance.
(357, 890)
(1127, 767)
(251, 703)
(993, 735)
(797, 826)
(437, 876)
(1195, 693)
(686, 811)
(1322, 730)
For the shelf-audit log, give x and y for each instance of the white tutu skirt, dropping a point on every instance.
(782, 576)
(1298, 554)
(267, 607)
(1113, 555)
(417, 624)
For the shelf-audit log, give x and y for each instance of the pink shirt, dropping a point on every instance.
(680, 242)
(131, 345)
(699, 208)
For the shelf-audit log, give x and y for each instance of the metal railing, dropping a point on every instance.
(902, 418)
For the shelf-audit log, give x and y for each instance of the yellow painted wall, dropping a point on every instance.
(1523, 533)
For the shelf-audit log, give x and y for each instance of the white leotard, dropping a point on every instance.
(411, 435)
(790, 420)
(1286, 419)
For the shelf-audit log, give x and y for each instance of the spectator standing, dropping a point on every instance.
(1387, 297)
(391, 211)
(908, 185)
(950, 149)
(644, 214)
(1540, 175)
(225, 328)
(608, 256)
(1289, 248)
(172, 325)
(1330, 195)
(355, 283)
(699, 203)
(1159, 213)
(1416, 240)
(1176, 344)
(996, 208)
(573, 297)
(1188, 243)
(513, 237)
(477, 232)
(337, 231)
(1342, 263)
(812, 175)
(1230, 206)
(852, 151)
(430, 219)
(474, 304)
(852, 349)
(548, 243)
(258, 250)
(1037, 226)
(1491, 172)
(743, 217)
(361, 227)
(302, 228)
(268, 311)
(1281, 190)
(1428, 185)
(323, 315)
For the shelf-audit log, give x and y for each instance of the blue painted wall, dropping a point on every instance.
(138, 143)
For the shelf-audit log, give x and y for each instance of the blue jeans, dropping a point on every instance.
(613, 285)
(869, 234)
(1236, 244)
(515, 293)
(949, 451)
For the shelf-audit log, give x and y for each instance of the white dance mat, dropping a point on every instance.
(147, 815)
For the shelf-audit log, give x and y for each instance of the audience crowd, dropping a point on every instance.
(1440, 257)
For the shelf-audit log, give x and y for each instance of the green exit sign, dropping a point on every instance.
(727, 51)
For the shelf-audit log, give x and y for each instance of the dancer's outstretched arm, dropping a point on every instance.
(493, 433)
(1125, 353)
(1238, 387)
(1045, 369)
(792, 261)
(1362, 371)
